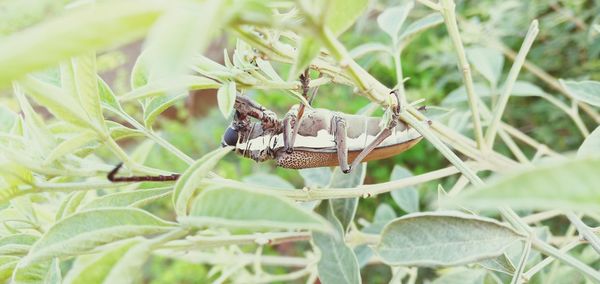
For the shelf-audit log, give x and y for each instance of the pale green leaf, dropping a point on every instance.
(316, 177)
(161, 87)
(267, 179)
(501, 264)
(94, 269)
(267, 68)
(383, 214)
(392, 19)
(341, 14)
(369, 47)
(157, 105)
(60, 104)
(407, 198)
(456, 238)
(420, 25)
(488, 62)
(18, 244)
(135, 198)
(567, 184)
(140, 72)
(226, 98)
(591, 144)
(87, 230)
(241, 208)
(130, 265)
(31, 274)
(308, 49)
(73, 33)
(585, 91)
(108, 100)
(86, 84)
(7, 119)
(19, 14)
(71, 145)
(337, 264)
(462, 276)
(54, 274)
(70, 204)
(7, 265)
(189, 181)
(526, 89)
(183, 31)
(345, 208)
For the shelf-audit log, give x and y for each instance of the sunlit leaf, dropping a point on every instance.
(392, 19)
(241, 208)
(7, 265)
(160, 87)
(70, 204)
(86, 85)
(568, 184)
(488, 62)
(369, 47)
(73, 33)
(341, 14)
(308, 49)
(54, 274)
(226, 98)
(155, 106)
(591, 144)
(18, 244)
(406, 198)
(86, 230)
(189, 181)
(456, 238)
(338, 264)
(585, 91)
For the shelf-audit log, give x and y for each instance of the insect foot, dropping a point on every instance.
(348, 170)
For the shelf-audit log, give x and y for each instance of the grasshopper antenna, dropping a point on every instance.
(112, 176)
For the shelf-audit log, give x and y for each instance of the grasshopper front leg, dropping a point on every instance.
(339, 133)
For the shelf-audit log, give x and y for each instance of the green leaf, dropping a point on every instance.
(567, 184)
(135, 198)
(7, 265)
(75, 32)
(383, 215)
(70, 204)
(488, 62)
(155, 106)
(87, 230)
(407, 198)
(71, 145)
(17, 244)
(338, 263)
(591, 144)
(526, 89)
(108, 100)
(189, 181)
(345, 208)
(271, 180)
(316, 177)
(392, 19)
(7, 119)
(161, 87)
(32, 274)
(98, 268)
(59, 103)
(308, 48)
(183, 31)
(226, 98)
(341, 14)
(585, 91)
(456, 238)
(53, 275)
(369, 47)
(421, 25)
(241, 208)
(86, 84)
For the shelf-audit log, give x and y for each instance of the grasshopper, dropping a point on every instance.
(308, 138)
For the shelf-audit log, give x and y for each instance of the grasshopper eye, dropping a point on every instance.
(230, 137)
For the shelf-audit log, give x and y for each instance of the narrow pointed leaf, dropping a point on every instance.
(86, 84)
(456, 238)
(406, 198)
(488, 62)
(18, 244)
(241, 208)
(420, 25)
(345, 208)
(392, 19)
(7, 265)
(308, 49)
(189, 181)
(162, 87)
(87, 230)
(591, 144)
(341, 14)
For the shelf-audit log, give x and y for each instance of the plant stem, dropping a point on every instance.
(540, 265)
(509, 83)
(568, 259)
(585, 231)
(448, 12)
